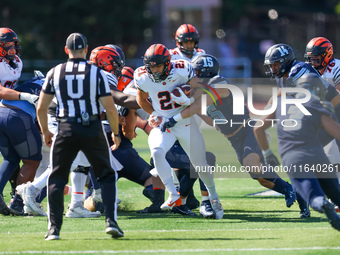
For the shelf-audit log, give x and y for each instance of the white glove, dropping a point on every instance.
(31, 98)
(182, 99)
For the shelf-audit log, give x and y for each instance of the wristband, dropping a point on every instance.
(192, 99)
(117, 135)
(145, 125)
(178, 117)
(267, 152)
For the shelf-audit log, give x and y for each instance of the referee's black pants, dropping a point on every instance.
(70, 139)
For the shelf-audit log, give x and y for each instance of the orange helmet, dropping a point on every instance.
(125, 78)
(155, 55)
(8, 35)
(319, 46)
(184, 33)
(107, 59)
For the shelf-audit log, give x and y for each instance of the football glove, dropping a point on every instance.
(31, 98)
(169, 123)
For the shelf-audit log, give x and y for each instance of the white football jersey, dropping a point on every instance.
(9, 76)
(181, 72)
(177, 54)
(332, 72)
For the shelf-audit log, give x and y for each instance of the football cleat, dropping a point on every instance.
(38, 210)
(52, 234)
(113, 229)
(305, 213)
(4, 210)
(217, 207)
(184, 210)
(206, 210)
(81, 212)
(172, 201)
(16, 206)
(152, 209)
(304, 209)
(290, 196)
(333, 217)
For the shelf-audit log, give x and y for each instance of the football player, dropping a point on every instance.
(240, 136)
(156, 79)
(187, 39)
(303, 154)
(319, 54)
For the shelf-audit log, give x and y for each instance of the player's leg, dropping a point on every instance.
(159, 143)
(195, 149)
(98, 153)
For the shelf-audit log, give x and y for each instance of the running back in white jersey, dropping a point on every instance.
(9, 76)
(177, 54)
(159, 92)
(332, 72)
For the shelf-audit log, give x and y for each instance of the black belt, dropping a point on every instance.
(77, 119)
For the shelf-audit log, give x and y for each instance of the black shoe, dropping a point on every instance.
(16, 206)
(113, 229)
(192, 201)
(52, 234)
(152, 209)
(183, 209)
(304, 210)
(3, 207)
(331, 214)
(289, 196)
(149, 194)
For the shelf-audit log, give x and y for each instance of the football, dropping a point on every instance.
(185, 88)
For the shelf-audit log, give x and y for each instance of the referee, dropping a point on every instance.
(79, 88)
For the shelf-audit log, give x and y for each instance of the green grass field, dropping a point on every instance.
(251, 224)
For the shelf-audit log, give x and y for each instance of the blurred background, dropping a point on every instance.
(237, 32)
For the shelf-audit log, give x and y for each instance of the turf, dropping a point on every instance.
(251, 224)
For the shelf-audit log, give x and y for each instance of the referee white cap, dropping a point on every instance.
(76, 41)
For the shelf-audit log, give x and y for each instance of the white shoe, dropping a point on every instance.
(217, 206)
(21, 188)
(81, 212)
(31, 206)
(172, 201)
(38, 212)
(206, 210)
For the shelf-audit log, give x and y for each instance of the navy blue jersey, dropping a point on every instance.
(224, 111)
(32, 86)
(300, 68)
(302, 132)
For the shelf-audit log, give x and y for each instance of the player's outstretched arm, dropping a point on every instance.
(8, 94)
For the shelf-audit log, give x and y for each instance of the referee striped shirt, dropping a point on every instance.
(77, 87)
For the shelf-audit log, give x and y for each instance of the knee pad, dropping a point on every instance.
(82, 169)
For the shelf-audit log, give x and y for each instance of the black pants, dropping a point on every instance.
(71, 138)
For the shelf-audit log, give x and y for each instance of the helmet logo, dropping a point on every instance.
(153, 63)
(283, 51)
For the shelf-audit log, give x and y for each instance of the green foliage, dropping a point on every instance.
(43, 26)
